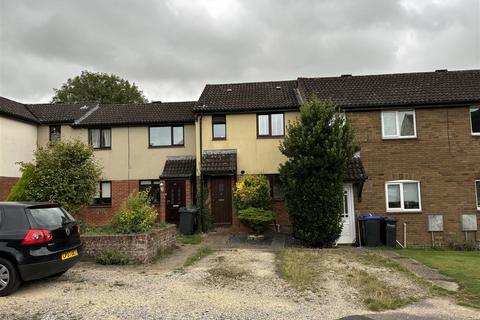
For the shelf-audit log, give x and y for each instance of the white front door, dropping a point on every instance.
(348, 217)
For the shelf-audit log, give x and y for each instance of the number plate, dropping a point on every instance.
(69, 254)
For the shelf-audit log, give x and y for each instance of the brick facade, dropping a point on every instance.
(444, 157)
(6, 184)
(140, 247)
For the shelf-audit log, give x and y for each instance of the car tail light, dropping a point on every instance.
(78, 228)
(37, 236)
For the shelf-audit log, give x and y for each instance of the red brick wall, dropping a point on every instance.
(6, 183)
(444, 157)
(103, 215)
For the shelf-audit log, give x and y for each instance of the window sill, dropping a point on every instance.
(270, 137)
(399, 138)
(100, 206)
(474, 134)
(219, 139)
(105, 148)
(404, 211)
(169, 146)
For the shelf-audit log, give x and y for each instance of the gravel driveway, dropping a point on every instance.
(229, 284)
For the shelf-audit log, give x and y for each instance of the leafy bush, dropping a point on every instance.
(256, 219)
(252, 191)
(65, 173)
(319, 148)
(18, 191)
(111, 258)
(137, 214)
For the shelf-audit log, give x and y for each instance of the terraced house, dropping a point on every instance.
(419, 135)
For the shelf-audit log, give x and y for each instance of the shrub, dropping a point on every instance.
(111, 258)
(252, 191)
(65, 173)
(256, 219)
(319, 148)
(18, 191)
(137, 214)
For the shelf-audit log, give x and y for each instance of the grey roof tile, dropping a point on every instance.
(179, 167)
(16, 110)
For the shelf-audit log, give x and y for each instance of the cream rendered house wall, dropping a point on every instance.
(254, 155)
(18, 143)
(129, 158)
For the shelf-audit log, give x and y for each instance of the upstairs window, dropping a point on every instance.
(154, 190)
(270, 125)
(475, 120)
(103, 197)
(219, 127)
(403, 196)
(100, 138)
(166, 136)
(398, 124)
(55, 133)
(477, 189)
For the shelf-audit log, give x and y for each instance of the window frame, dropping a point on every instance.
(101, 202)
(102, 129)
(150, 185)
(214, 123)
(471, 122)
(402, 200)
(50, 132)
(270, 178)
(397, 135)
(269, 135)
(171, 145)
(477, 194)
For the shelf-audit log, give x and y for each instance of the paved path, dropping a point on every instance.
(421, 270)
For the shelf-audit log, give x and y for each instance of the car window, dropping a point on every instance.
(13, 219)
(50, 217)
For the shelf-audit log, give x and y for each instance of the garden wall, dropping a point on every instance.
(140, 247)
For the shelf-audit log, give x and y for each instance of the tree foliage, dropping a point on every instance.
(98, 87)
(65, 173)
(17, 193)
(319, 147)
(252, 191)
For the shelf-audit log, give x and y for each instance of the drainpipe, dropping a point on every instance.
(202, 220)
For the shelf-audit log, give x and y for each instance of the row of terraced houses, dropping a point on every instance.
(419, 135)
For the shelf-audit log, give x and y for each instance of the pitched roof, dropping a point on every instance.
(140, 114)
(179, 167)
(60, 112)
(216, 162)
(400, 89)
(16, 110)
(356, 171)
(253, 96)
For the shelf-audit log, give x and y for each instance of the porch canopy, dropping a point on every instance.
(219, 162)
(179, 167)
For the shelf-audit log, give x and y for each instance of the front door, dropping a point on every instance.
(175, 198)
(348, 217)
(221, 200)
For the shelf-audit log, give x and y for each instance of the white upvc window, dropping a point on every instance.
(475, 120)
(403, 196)
(399, 124)
(477, 193)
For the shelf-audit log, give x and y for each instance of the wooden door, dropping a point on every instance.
(221, 200)
(175, 199)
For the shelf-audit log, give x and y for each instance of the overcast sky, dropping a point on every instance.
(172, 48)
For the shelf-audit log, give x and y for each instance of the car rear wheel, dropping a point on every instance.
(9, 279)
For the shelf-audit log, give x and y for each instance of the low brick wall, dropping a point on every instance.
(140, 247)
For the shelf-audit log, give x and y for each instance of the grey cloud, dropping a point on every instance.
(172, 48)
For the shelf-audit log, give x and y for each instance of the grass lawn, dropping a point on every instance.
(189, 239)
(462, 266)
